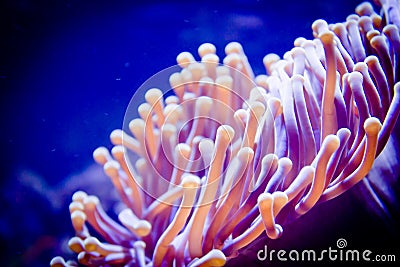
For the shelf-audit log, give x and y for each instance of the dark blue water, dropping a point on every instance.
(68, 70)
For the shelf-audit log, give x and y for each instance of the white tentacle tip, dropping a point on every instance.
(118, 151)
(326, 37)
(79, 196)
(143, 228)
(245, 154)
(184, 59)
(264, 197)
(355, 77)
(111, 168)
(58, 262)
(116, 137)
(101, 155)
(204, 104)
(276, 232)
(139, 227)
(213, 258)
(331, 143)
(233, 47)
(206, 48)
(372, 126)
(153, 95)
(226, 132)
(300, 208)
(258, 108)
(280, 197)
(190, 181)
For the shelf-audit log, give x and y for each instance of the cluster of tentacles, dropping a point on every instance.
(232, 155)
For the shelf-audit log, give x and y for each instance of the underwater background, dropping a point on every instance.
(68, 70)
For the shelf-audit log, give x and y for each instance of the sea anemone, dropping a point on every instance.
(231, 155)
